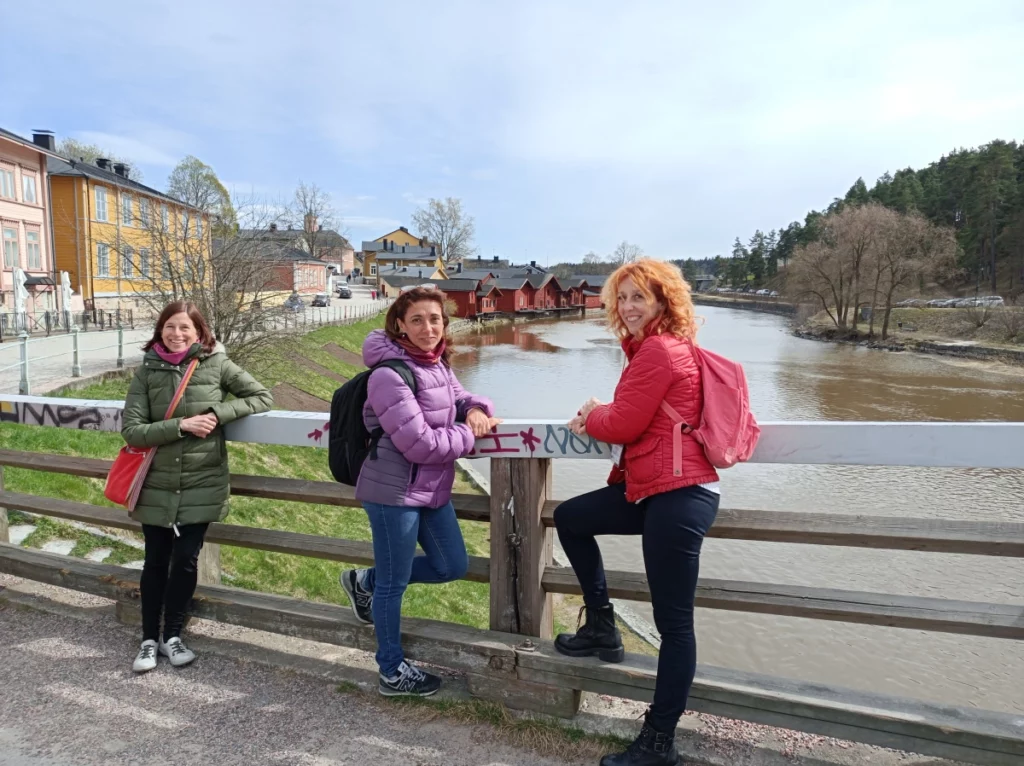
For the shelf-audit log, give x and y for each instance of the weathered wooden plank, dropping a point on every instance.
(467, 507)
(558, 701)
(445, 644)
(935, 614)
(209, 563)
(954, 445)
(986, 538)
(521, 547)
(274, 540)
(965, 734)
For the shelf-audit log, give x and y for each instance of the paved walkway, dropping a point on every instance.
(70, 699)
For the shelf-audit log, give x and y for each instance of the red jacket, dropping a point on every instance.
(661, 367)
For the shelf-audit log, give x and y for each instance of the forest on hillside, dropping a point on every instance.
(977, 193)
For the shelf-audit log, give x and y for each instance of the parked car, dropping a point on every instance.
(294, 303)
(762, 292)
(912, 303)
(991, 300)
(942, 303)
(321, 300)
(344, 291)
(773, 294)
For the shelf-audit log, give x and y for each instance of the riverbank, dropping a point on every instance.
(944, 332)
(753, 303)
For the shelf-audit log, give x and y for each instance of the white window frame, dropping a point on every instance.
(144, 211)
(34, 249)
(144, 264)
(165, 217)
(373, 269)
(165, 267)
(185, 225)
(126, 210)
(6, 242)
(102, 259)
(7, 187)
(102, 210)
(127, 268)
(29, 180)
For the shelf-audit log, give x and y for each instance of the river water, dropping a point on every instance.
(546, 370)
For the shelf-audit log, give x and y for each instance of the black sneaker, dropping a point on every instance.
(410, 681)
(360, 598)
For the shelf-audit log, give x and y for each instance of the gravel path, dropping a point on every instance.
(70, 699)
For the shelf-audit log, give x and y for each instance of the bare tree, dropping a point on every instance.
(235, 280)
(911, 249)
(592, 257)
(444, 225)
(820, 273)
(74, 149)
(626, 252)
(312, 212)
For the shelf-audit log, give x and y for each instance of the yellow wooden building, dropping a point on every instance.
(398, 249)
(118, 239)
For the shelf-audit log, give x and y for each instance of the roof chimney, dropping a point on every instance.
(495, 259)
(385, 243)
(273, 227)
(433, 251)
(403, 248)
(121, 169)
(532, 263)
(404, 229)
(45, 139)
(103, 163)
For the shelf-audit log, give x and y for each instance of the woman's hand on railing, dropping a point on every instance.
(589, 406)
(199, 425)
(479, 423)
(578, 425)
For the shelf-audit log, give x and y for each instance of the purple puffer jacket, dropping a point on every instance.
(415, 463)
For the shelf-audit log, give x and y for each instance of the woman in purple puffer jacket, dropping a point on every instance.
(406, 490)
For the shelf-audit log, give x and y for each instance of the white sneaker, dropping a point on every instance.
(176, 651)
(145, 660)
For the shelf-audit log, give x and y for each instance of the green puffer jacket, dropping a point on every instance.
(189, 481)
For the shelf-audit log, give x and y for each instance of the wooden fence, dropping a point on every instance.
(514, 661)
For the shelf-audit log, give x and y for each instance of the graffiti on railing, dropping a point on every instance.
(558, 441)
(60, 415)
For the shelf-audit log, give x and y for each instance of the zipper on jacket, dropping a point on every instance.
(415, 473)
(174, 526)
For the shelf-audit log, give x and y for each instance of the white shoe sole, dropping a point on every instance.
(143, 668)
(179, 661)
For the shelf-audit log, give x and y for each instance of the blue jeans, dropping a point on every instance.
(396, 530)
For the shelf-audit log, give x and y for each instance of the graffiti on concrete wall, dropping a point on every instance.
(46, 413)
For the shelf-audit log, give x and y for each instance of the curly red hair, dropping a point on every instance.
(657, 281)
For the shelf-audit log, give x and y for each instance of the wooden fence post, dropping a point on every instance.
(521, 546)
(5, 536)
(209, 564)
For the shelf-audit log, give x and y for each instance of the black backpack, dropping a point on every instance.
(348, 442)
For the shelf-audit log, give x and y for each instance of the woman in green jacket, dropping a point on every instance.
(187, 486)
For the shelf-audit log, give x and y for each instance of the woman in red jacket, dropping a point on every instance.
(671, 504)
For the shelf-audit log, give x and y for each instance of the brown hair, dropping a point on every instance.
(206, 339)
(400, 308)
(657, 281)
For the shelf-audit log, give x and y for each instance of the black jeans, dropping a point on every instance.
(169, 576)
(673, 525)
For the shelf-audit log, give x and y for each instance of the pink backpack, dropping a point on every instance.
(728, 430)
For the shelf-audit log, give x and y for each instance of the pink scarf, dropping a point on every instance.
(421, 356)
(170, 358)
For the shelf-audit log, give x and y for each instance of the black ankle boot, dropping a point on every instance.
(651, 748)
(597, 636)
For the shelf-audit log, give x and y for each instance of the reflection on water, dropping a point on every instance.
(794, 379)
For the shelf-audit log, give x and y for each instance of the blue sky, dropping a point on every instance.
(563, 126)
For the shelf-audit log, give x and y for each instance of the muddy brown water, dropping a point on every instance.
(546, 370)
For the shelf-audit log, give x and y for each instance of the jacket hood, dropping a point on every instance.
(378, 347)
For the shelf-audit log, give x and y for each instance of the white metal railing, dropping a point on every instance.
(952, 445)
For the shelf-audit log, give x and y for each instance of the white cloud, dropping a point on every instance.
(414, 199)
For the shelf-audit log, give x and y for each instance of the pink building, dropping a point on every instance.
(25, 230)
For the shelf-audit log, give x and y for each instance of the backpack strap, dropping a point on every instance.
(679, 428)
